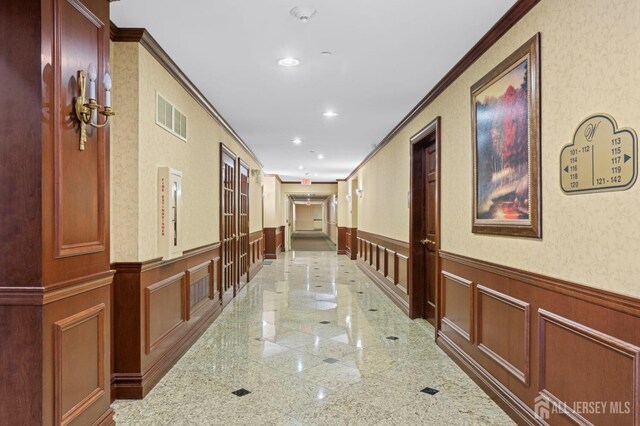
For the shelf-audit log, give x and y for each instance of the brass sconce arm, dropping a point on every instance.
(85, 109)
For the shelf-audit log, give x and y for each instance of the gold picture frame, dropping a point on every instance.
(505, 126)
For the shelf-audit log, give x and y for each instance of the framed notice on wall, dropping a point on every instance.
(601, 157)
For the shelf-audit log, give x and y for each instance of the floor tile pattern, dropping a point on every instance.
(314, 348)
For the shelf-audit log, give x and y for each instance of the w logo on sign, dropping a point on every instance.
(541, 407)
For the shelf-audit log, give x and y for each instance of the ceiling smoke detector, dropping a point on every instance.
(303, 14)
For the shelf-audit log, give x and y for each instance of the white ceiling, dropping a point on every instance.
(386, 56)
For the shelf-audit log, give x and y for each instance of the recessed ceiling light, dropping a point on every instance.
(330, 114)
(297, 141)
(315, 174)
(326, 53)
(320, 156)
(303, 14)
(289, 62)
(301, 167)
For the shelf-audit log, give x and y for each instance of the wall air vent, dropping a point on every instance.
(170, 118)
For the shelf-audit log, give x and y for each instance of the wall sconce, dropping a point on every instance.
(360, 191)
(87, 109)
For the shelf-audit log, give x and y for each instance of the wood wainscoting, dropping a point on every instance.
(55, 278)
(533, 339)
(273, 242)
(351, 243)
(342, 240)
(160, 309)
(386, 262)
(256, 253)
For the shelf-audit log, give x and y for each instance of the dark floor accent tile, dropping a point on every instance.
(353, 281)
(392, 338)
(361, 292)
(330, 360)
(241, 392)
(259, 339)
(318, 286)
(325, 322)
(267, 262)
(373, 310)
(430, 391)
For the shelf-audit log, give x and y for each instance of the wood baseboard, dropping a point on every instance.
(137, 386)
(382, 285)
(106, 419)
(510, 404)
(255, 268)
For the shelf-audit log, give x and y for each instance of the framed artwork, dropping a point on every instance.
(505, 123)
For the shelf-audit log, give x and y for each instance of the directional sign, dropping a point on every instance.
(601, 157)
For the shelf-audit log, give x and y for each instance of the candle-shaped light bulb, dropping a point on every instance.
(92, 75)
(107, 90)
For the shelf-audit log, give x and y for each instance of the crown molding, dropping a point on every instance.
(508, 20)
(142, 36)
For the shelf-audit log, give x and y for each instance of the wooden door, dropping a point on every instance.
(429, 232)
(424, 224)
(243, 223)
(228, 250)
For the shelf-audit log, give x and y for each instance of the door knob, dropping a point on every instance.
(427, 241)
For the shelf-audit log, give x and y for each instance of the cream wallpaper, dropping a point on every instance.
(198, 159)
(343, 205)
(590, 59)
(124, 153)
(273, 205)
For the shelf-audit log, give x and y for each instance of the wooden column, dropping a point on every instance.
(55, 279)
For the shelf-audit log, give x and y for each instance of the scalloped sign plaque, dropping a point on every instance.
(601, 157)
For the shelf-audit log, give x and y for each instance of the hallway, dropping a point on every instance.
(311, 241)
(309, 338)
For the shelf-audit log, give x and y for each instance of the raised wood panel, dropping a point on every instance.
(581, 346)
(165, 309)
(79, 176)
(402, 277)
(55, 349)
(216, 278)
(373, 256)
(390, 266)
(352, 244)
(79, 374)
(385, 261)
(342, 240)
(270, 243)
(256, 249)
(457, 304)
(153, 320)
(568, 353)
(503, 330)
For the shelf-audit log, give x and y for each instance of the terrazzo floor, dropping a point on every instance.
(314, 342)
